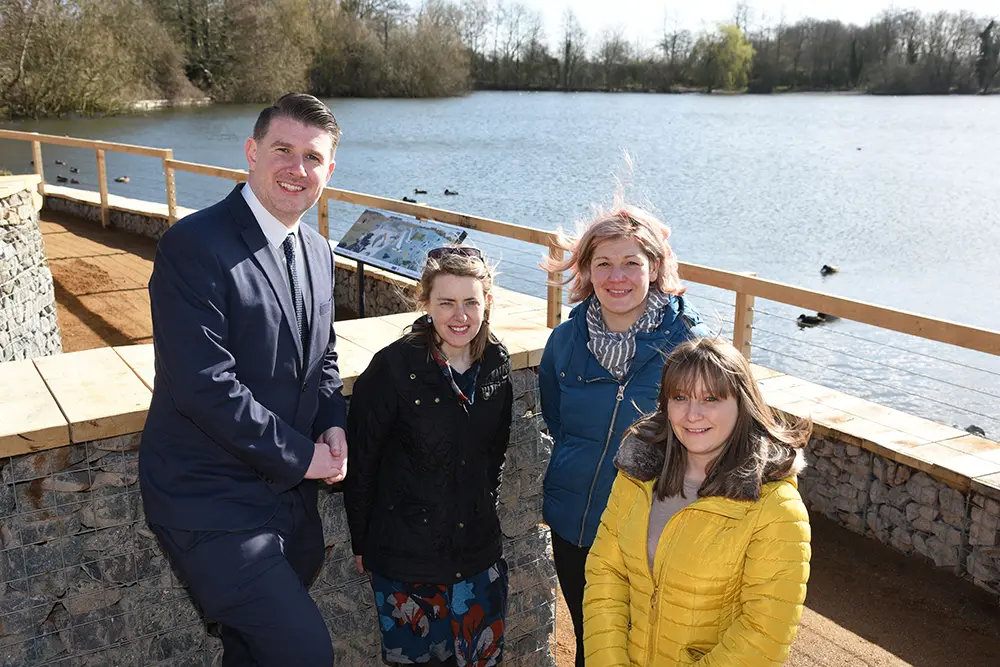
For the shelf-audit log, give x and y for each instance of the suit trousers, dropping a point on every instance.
(253, 583)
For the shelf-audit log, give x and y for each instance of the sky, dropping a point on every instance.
(643, 20)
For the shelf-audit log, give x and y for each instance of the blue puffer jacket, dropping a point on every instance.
(587, 412)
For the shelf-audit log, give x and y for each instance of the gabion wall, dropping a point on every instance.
(84, 583)
(906, 509)
(28, 324)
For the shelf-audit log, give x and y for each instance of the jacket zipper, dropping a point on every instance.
(611, 431)
(654, 617)
(597, 472)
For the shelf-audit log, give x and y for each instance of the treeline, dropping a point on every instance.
(898, 52)
(89, 56)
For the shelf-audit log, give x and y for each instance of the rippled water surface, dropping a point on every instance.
(902, 193)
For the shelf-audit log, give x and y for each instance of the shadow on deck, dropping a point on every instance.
(100, 277)
(867, 604)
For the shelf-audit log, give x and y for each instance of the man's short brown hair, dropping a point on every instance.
(300, 107)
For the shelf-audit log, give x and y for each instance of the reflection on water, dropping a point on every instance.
(899, 192)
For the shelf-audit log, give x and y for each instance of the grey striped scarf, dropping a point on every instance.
(615, 350)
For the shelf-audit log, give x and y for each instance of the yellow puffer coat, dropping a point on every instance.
(728, 580)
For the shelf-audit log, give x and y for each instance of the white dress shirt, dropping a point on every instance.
(275, 232)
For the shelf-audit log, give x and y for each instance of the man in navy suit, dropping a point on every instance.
(247, 410)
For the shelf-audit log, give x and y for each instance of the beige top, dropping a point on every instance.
(662, 510)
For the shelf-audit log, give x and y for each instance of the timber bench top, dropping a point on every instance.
(104, 392)
(81, 396)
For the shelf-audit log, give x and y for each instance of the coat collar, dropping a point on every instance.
(643, 463)
(672, 318)
(418, 358)
(260, 248)
(314, 245)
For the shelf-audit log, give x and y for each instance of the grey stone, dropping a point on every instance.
(877, 493)
(901, 475)
(980, 535)
(898, 496)
(948, 535)
(902, 540)
(985, 519)
(989, 504)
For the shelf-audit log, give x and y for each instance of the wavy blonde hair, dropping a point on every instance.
(620, 221)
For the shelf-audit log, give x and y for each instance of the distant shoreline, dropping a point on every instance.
(143, 106)
(154, 105)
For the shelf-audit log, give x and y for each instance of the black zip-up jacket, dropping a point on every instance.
(424, 471)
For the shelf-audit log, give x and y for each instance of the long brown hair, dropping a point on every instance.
(762, 447)
(464, 266)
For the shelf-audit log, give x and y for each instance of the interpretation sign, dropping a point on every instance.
(395, 242)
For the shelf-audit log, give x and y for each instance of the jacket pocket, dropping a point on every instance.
(408, 528)
(695, 653)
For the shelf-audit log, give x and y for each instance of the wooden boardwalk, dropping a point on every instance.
(867, 604)
(100, 277)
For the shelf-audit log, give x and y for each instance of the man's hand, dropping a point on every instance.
(323, 464)
(359, 563)
(335, 439)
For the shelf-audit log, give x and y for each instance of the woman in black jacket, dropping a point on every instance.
(428, 427)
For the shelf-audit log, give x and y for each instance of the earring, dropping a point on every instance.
(429, 320)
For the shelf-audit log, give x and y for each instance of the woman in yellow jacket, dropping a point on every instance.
(702, 555)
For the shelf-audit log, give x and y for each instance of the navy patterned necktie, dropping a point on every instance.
(293, 279)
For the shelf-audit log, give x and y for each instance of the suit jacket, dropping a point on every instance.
(237, 403)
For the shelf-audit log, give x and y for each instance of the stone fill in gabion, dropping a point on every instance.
(84, 583)
(28, 324)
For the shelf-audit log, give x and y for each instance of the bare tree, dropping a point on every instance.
(574, 50)
(612, 55)
(475, 21)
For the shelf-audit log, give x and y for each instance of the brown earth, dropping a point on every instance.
(869, 605)
(100, 278)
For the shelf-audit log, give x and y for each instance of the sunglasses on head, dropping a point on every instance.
(463, 250)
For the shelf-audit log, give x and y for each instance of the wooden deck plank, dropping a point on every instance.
(140, 359)
(99, 394)
(30, 418)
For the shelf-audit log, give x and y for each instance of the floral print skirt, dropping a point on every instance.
(422, 622)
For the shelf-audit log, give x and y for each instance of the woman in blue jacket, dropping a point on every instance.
(601, 371)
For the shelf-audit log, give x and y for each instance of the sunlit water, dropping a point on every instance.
(901, 193)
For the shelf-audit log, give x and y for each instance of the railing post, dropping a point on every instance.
(324, 214)
(36, 152)
(168, 172)
(102, 181)
(554, 299)
(743, 321)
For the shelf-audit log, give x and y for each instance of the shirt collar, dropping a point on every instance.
(274, 230)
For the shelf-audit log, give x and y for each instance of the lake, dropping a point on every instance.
(901, 193)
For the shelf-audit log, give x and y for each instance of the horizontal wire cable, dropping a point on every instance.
(879, 363)
(889, 345)
(881, 384)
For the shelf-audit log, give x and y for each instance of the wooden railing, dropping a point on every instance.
(100, 148)
(421, 211)
(746, 286)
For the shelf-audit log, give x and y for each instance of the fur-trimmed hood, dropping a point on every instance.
(644, 462)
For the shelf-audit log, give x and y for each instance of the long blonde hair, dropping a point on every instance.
(464, 266)
(762, 446)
